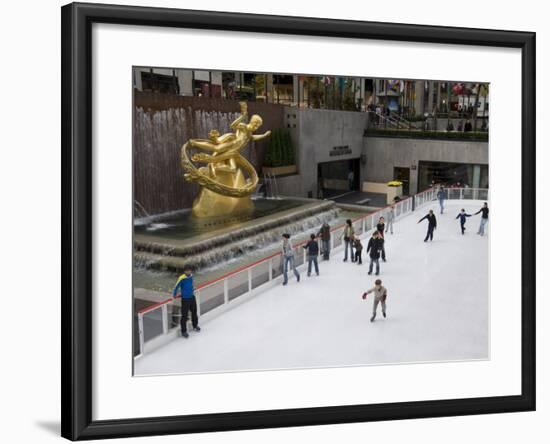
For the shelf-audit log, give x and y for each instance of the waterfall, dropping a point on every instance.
(208, 255)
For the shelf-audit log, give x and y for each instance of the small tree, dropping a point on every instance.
(280, 150)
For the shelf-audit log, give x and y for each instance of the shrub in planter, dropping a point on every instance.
(280, 151)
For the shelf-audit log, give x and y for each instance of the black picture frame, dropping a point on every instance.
(76, 129)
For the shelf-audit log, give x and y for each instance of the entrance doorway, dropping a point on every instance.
(403, 175)
(334, 177)
(452, 174)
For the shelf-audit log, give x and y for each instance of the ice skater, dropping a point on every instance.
(348, 234)
(432, 224)
(324, 234)
(374, 247)
(184, 286)
(484, 218)
(391, 217)
(288, 259)
(463, 215)
(380, 295)
(312, 248)
(441, 198)
(380, 227)
(358, 250)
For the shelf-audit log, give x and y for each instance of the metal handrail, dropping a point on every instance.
(408, 124)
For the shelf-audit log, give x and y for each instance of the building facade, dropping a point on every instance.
(410, 98)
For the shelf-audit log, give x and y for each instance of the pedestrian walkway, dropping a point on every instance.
(437, 310)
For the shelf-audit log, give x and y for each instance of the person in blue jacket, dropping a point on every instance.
(312, 248)
(184, 286)
(463, 215)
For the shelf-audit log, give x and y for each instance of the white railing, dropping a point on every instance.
(160, 322)
(467, 193)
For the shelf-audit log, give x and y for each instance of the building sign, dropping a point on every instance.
(340, 150)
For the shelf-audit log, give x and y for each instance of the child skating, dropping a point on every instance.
(463, 215)
(380, 295)
(358, 246)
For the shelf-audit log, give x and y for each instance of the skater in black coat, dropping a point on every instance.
(463, 215)
(380, 227)
(432, 224)
(324, 234)
(484, 218)
(374, 247)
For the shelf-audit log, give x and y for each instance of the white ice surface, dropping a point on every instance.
(437, 307)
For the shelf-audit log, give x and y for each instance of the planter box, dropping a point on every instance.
(383, 188)
(393, 192)
(280, 171)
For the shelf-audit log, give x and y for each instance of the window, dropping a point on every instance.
(159, 83)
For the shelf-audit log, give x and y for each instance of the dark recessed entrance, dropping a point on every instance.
(334, 178)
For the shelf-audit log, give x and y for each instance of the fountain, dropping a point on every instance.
(180, 242)
(226, 221)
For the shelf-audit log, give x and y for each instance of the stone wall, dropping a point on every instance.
(316, 133)
(383, 153)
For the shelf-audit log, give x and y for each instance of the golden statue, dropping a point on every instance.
(229, 179)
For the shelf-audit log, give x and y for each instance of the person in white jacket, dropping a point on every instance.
(380, 294)
(288, 259)
(348, 235)
(389, 218)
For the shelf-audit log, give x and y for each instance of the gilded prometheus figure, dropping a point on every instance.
(228, 179)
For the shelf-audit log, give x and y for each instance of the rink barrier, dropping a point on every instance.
(159, 323)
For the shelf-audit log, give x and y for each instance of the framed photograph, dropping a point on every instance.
(283, 221)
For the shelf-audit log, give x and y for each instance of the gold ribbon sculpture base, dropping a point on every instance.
(228, 179)
(209, 204)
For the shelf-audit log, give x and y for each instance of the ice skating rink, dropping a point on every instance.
(437, 309)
